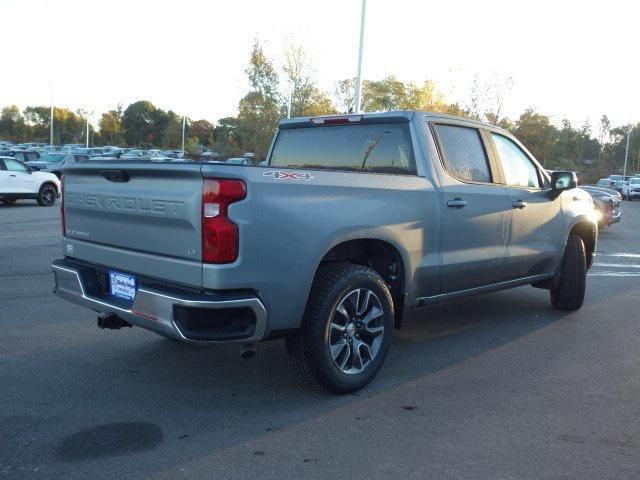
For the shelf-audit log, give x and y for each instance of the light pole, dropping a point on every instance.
(184, 120)
(51, 118)
(626, 153)
(87, 131)
(359, 78)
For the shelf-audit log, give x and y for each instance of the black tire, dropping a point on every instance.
(47, 195)
(309, 348)
(9, 201)
(573, 277)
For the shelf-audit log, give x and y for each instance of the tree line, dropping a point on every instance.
(273, 90)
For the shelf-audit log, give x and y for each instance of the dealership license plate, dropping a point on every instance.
(122, 285)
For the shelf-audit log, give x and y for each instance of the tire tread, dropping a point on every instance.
(569, 295)
(298, 345)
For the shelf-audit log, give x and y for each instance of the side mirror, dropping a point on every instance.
(561, 181)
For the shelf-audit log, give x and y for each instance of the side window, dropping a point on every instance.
(32, 156)
(518, 169)
(14, 165)
(464, 156)
(2, 167)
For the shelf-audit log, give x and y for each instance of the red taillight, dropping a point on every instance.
(64, 232)
(220, 239)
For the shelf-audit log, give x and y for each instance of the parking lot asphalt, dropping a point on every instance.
(498, 386)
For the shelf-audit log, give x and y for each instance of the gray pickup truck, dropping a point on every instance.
(348, 222)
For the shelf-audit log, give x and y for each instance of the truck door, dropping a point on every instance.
(536, 222)
(476, 211)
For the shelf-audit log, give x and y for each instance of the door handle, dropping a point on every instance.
(456, 203)
(519, 204)
(12, 175)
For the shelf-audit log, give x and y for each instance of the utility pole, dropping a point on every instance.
(626, 153)
(359, 78)
(184, 120)
(87, 131)
(51, 118)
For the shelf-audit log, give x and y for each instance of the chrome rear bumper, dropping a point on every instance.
(152, 308)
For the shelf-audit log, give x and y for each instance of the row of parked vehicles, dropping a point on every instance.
(627, 186)
(53, 158)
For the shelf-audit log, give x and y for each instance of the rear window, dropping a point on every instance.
(378, 148)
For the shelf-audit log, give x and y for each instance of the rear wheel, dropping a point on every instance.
(47, 195)
(346, 329)
(573, 277)
(9, 201)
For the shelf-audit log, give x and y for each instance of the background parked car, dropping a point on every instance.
(23, 155)
(134, 155)
(633, 190)
(606, 206)
(18, 181)
(54, 162)
(619, 186)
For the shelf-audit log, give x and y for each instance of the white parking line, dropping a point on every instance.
(623, 255)
(619, 269)
(617, 265)
(614, 274)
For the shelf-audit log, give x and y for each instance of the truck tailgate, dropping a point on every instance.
(143, 208)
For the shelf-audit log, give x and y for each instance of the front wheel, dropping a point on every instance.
(47, 195)
(573, 277)
(346, 329)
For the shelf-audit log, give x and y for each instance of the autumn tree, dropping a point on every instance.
(306, 98)
(259, 110)
(110, 127)
(203, 130)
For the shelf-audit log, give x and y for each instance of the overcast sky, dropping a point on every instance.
(574, 59)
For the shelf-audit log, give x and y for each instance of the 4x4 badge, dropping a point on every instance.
(278, 175)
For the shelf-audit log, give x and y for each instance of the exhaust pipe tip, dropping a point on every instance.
(247, 351)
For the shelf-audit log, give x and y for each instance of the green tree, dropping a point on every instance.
(12, 124)
(191, 146)
(138, 123)
(227, 136)
(537, 133)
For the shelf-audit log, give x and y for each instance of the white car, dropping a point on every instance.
(19, 181)
(633, 188)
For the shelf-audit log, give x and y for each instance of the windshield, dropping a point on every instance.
(634, 181)
(53, 157)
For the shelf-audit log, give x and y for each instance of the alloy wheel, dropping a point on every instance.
(356, 331)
